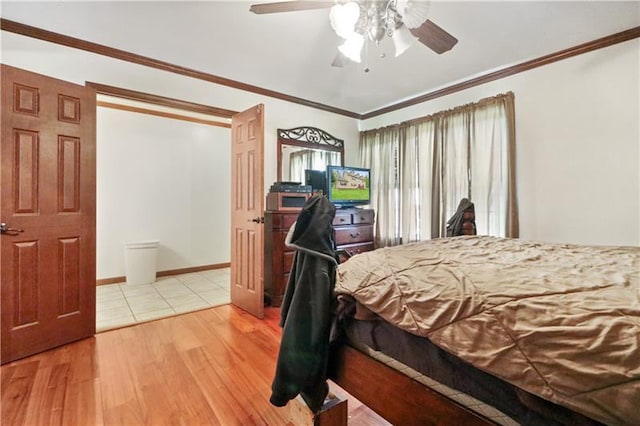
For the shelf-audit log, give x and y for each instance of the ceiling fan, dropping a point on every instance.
(359, 21)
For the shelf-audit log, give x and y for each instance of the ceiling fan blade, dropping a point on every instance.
(434, 37)
(338, 61)
(290, 6)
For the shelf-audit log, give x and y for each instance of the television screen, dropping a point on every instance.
(348, 186)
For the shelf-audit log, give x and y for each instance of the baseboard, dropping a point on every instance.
(104, 281)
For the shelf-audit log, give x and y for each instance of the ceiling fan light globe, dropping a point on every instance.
(402, 39)
(344, 17)
(352, 47)
(414, 12)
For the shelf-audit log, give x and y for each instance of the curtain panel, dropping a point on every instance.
(312, 159)
(424, 167)
(379, 152)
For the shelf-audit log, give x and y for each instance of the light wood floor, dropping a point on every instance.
(211, 367)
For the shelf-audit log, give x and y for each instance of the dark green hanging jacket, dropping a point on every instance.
(306, 308)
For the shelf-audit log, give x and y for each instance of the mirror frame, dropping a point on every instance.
(308, 137)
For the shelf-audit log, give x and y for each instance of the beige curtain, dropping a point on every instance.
(379, 152)
(418, 161)
(422, 168)
(512, 224)
(492, 169)
(454, 140)
(312, 159)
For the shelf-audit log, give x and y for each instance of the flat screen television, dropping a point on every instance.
(348, 186)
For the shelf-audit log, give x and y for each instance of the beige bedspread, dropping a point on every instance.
(560, 321)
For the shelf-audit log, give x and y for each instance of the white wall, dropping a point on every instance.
(163, 179)
(79, 66)
(577, 121)
(578, 145)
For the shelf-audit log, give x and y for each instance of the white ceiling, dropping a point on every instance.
(291, 53)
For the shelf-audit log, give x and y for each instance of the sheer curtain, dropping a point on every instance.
(299, 161)
(455, 182)
(297, 166)
(419, 162)
(379, 152)
(422, 168)
(489, 170)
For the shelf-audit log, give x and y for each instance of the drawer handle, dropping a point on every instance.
(356, 235)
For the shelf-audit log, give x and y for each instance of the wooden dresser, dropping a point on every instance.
(353, 230)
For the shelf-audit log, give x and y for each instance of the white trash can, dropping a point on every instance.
(140, 261)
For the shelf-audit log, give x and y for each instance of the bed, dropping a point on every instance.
(547, 333)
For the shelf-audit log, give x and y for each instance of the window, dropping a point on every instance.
(424, 167)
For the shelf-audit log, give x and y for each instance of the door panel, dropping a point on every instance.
(247, 195)
(47, 189)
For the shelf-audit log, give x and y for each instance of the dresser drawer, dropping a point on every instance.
(283, 221)
(353, 249)
(342, 218)
(279, 238)
(353, 234)
(362, 217)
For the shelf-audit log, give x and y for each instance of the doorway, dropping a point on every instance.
(163, 174)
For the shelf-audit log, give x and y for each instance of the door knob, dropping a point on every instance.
(6, 229)
(257, 220)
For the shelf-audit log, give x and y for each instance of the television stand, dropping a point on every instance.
(353, 231)
(353, 234)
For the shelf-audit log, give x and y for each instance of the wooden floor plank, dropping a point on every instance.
(212, 367)
(17, 385)
(38, 408)
(83, 403)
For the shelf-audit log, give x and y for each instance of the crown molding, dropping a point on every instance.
(38, 33)
(61, 39)
(163, 114)
(600, 43)
(149, 98)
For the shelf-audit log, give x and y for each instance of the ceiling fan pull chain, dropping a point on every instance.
(366, 56)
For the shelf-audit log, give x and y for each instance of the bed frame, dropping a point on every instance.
(393, 395)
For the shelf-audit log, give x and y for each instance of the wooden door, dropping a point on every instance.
(247, 208)
(47, 190)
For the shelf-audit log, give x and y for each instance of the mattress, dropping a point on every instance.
(455, 379)
(559, 321)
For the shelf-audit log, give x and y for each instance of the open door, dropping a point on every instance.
(48, 210)
(247, 208)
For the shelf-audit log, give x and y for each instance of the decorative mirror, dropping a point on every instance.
(306, 148)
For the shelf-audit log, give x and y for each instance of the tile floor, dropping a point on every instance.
(122, 304)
